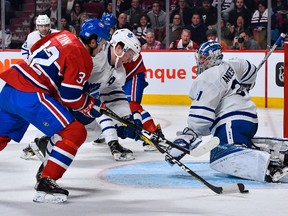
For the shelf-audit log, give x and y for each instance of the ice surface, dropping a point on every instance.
(94, 192)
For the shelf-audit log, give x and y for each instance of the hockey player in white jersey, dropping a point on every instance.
(43, 28)
(222, 107)
(106, 82)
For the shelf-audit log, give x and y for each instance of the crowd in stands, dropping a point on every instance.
(243, 22)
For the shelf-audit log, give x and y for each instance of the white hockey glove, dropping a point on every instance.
(187, 139)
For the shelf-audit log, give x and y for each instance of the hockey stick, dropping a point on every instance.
(277, 43)
(202, 148)
(219, 190)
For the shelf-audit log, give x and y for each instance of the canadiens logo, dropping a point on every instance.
(101, 24)
(46, 124)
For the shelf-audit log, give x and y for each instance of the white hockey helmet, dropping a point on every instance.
(43, 20)
(208, 55)
(129, 40)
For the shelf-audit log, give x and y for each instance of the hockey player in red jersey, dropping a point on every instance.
(39, 90)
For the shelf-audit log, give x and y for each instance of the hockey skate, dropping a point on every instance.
(119, 152)
(276, 172)
(100, 140)
(32, 151)
(48, 191)
(154, 139)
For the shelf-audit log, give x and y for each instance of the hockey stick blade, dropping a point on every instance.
(219, 190)
(238, 188)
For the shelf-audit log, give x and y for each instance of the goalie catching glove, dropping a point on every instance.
(91, 107)
(187, 139)
(126, 131)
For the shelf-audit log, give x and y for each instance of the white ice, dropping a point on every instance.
(91, 195)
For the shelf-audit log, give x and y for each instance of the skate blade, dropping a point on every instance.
(37, 151)
(149, 148)
(28, 156)
(123, 157)
(42, 197)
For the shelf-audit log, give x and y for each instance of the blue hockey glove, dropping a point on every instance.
(186, 139)
(124, 132)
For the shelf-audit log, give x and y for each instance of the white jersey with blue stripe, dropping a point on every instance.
(32, 38)
(218, 96)
(107, 81)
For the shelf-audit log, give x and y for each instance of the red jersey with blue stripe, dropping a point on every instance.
(134, 67)
(59, 66)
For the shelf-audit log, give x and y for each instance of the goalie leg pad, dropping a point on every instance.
(240, 162)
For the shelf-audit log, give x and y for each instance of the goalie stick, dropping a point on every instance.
(239, 187)
(277, 43)
(201, 149)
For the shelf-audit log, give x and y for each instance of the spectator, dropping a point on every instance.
(239, 9)
(75, 15)
(108, 6)
(197, 29)
(52, 13)
(7, 37)
(185, 43)
(175, 30)
(184, 11)
(211, 34)
(83, 17)
(66, 26)
(151, 43)
(123, 5)
(226, 7)
(122, 22)
(225, 32)
(158, 21)
(244, 42)
(240, 26)
(209, 13)
(134, 13)
(195, 3)
(259, 23)
(142, 28)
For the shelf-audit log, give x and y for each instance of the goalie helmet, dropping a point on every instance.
(208, 55)
(129, 40)
(92, 27)
(109, 20)
(43, 20)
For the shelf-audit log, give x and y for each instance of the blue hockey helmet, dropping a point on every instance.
(208, 55)
(94, 27)
(109, 20)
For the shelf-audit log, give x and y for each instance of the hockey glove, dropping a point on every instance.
(187, 139)
(91, 108)
(124, 132)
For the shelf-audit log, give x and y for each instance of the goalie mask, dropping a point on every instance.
(129, 41)
(208, 55)
(43, 25)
